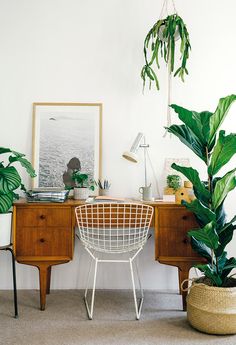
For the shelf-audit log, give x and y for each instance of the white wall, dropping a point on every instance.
(92, 51)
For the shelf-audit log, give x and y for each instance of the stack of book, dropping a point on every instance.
(47, 195)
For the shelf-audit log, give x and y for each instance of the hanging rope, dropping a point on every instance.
(169, 76)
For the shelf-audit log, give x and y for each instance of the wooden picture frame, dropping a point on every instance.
(61, 132)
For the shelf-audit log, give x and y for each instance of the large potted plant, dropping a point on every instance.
(82, 185)
(211, 303)
(10, 181)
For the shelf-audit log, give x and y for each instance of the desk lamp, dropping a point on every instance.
(132, 156)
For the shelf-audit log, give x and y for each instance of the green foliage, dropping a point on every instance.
(173, 181)
(10, 179)
(201, 133)
(82, 180)
(160, 42)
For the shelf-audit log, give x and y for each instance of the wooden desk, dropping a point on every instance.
(43, 236)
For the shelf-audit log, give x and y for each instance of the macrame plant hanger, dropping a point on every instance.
(165, 10)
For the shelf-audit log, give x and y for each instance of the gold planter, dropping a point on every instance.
(212, 309)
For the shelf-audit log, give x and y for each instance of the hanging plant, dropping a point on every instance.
(160, 42)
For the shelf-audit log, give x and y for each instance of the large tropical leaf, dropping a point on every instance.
(4, 150)
(19, 157)
(223, 187)
(6, 201)
(9, 180)
(219, 115)
(206, 235)
(203, 213)
(193, 176)
(200, 248)
(189, 139)
(199, 123)
(224, 238)
(233, 220)
(225, 149)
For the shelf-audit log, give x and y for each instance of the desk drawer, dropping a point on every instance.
(43, 217)
(176, 218)
(39, 241)
(174, 242)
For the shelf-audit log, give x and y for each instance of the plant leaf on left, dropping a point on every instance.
(10, 179)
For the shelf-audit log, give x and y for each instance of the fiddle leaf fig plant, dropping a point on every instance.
(10, 179)
(160, 42)
(201, 133)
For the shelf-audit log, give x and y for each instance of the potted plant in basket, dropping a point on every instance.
(211, 303)
(10, 181)
(82, 185)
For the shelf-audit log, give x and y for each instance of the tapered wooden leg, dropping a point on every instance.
(43, 273)
(48, 279)
(183, 274)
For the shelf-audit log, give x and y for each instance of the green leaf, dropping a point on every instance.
(223, 186)
(219, 115)
(4, 150)
(24, 163)
(6, 201)
(200, 248)
(209, 273)
(189, 139)
(193, 176)
(227, 225)
(9, 180)
(199, 123)
(203, 213)
(224, 238)
(224, 150)
(206, 235)
(229, 265)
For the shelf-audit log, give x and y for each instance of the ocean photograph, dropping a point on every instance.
(62, 137)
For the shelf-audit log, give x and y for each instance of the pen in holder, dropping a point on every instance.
(104, 187)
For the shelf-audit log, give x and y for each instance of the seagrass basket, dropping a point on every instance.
(212, 309)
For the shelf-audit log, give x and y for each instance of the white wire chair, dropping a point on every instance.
(113, 228)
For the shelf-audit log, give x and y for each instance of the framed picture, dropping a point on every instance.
(66, 136)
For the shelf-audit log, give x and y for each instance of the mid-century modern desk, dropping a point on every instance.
(43, 236)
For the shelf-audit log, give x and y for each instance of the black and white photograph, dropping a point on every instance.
(67, 136)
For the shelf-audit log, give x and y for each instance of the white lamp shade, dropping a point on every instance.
(130, 156)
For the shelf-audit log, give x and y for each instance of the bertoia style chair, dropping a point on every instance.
(9, 248)
(113, 228)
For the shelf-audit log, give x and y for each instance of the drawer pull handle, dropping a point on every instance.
(42, 216)
(184, 217)
(185, 241)
(42, 240)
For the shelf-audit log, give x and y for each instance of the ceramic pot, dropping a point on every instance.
(81, 193)
(104, 192)
(5, 228)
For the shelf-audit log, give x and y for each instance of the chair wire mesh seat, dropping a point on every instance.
(113, 228)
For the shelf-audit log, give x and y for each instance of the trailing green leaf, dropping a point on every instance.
(163, 43)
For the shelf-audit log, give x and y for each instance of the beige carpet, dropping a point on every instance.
(64, 322)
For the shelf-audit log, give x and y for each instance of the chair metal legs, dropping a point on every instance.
(90, 309)
(14, 279)
(138, 302)
(138, 306)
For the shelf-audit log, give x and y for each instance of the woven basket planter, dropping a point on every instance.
(211, 309)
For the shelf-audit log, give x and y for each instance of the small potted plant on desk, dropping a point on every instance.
(82, 185)
(211, 303)
(10, 180)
